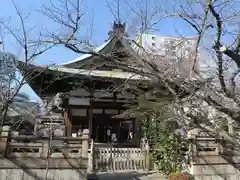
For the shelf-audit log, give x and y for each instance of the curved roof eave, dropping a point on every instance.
(87, 56)
(84, 72)
(100, 73)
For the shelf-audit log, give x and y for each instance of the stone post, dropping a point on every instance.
(192, 137)
(219, 149)
(194, 147)
(44, 150)
(3, 140)
(192, 150)
(91, 158)
(85, 139)
(230, 126)
(147, 157)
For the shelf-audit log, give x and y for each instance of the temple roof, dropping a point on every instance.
(71, 67)
(67, 76)
(47, 80)
(115, 35)
(107, 48)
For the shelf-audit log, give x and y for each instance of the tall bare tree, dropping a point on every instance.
(205, 18)
(11, 80)
(203, 99)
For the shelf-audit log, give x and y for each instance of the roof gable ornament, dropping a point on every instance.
(118, 29)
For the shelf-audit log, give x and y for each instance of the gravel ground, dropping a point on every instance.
(128, 176)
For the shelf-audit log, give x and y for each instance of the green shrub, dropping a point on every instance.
(167, 155)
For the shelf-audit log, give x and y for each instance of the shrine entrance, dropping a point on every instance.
(106, 129)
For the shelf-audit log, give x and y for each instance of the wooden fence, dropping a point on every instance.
(104, 159)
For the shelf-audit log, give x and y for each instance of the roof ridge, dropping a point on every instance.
(85, 56)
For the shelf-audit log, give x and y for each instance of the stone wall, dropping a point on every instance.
(215, 172)
(213, 159)
(25, 157)
(54, 168)
(214, 167)
(39, 174)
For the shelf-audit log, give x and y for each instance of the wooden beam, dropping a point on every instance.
(100, 105)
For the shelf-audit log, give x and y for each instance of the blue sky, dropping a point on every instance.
(96, 12)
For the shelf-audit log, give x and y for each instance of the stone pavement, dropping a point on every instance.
(128, 176)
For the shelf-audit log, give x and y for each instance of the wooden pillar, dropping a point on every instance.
(90, 118)
(66, 116)
(68, 123)
(137, 132)
(90, 109)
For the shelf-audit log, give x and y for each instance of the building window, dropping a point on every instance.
(154, 38)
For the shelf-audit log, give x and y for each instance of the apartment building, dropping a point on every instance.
(177, 51)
